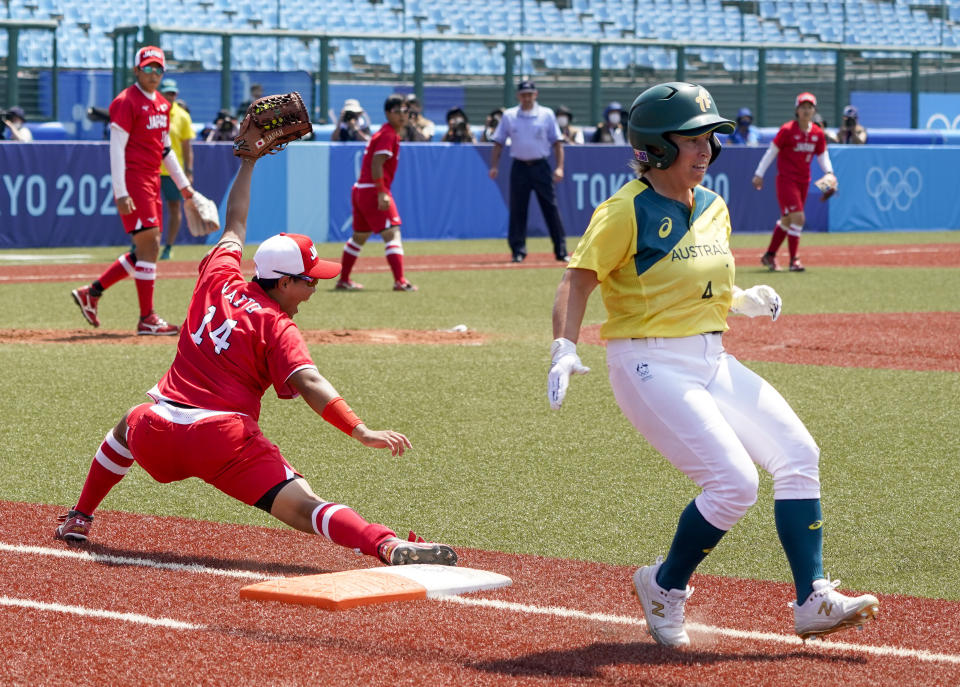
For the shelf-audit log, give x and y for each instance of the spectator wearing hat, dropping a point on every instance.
(746, 133)
(181, 141)
(568, 132)
(354, 123)
(15, 120)
(533, 132)
(851, 131)
(458, 127)
(611, 129)
(418, 129)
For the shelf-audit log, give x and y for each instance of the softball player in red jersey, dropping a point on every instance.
(374, 210)
(794, 147)
(139, 142)
(239, 340)
(659, 250)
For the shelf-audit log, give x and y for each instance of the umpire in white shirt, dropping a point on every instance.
(532, 131)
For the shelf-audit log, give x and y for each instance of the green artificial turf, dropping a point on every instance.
(492, 466)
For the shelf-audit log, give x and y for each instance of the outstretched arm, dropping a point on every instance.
(238, 204)
(327, 403)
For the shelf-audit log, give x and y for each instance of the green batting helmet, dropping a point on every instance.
(675, 107)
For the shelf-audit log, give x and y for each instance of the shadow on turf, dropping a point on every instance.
(586, 661)
(285, 569)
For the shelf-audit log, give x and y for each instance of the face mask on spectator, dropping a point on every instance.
(614, 118)
(563, 120)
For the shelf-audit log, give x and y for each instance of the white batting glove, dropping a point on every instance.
(757, 301)
(564, 362)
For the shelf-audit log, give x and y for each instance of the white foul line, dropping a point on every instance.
(95, 613)
(919, 655)
(122, 560)
(557, 611)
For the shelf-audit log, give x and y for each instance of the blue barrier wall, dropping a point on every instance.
(59, 194)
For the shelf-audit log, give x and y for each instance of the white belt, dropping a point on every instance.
(359, 185)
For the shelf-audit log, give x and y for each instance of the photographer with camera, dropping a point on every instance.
(851, 131)
(14, 120)
(418, 129)
(225, 127)
(354, 123)
(490, 127)
(458, 127)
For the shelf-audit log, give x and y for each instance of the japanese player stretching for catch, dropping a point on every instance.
(794, 147)
(374, 211)
(139, 142)
(239, 341)
(659, 250)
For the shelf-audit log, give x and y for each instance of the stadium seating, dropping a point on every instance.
(83, 43)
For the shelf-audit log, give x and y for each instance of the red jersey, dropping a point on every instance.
(235, 343)
(146, 120)
(385, 141)
(797, 148)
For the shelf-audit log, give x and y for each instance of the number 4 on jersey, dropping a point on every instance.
(708, 292)
(219, 336)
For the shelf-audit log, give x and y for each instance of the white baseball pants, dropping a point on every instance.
(713, 418)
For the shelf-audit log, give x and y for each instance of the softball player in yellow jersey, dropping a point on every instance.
(659, 250)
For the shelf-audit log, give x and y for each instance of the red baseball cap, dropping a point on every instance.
(806, 98)
(151, 54)
(292, 255)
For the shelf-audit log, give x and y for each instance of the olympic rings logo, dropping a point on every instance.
(894, 188)
(941, 119)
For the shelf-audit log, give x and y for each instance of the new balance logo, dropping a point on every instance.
(825, 608)
(657, 609)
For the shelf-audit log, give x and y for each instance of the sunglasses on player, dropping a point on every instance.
(309, 281)
(151, 69)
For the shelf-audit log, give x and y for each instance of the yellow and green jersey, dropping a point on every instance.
(665, 270)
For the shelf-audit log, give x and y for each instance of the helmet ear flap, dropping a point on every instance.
(715, 148)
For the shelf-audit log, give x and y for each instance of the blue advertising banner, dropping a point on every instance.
(883, 188)
(59, 194)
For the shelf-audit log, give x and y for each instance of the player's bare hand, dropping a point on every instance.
(494, 172)
(383, 438)
(383, 201)
(757, 182)
(125, 205)
(558, 175)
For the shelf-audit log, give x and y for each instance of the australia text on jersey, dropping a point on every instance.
(699, 250)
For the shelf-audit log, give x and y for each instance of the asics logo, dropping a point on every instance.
(666, 226)
(826, 608)
(816, 524)
(657, 609)
(892, 187)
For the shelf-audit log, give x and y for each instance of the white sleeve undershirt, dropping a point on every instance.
(825, 164)
(118, 161)
(768, 157)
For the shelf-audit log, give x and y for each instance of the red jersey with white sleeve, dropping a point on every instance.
(797, 149)
(146, 119)
(384, 142)
(235, 343)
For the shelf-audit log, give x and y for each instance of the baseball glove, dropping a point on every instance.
(271, 123)
(202, 216)
(827, 185)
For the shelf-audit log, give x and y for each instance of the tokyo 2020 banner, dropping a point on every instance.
(59, 194)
